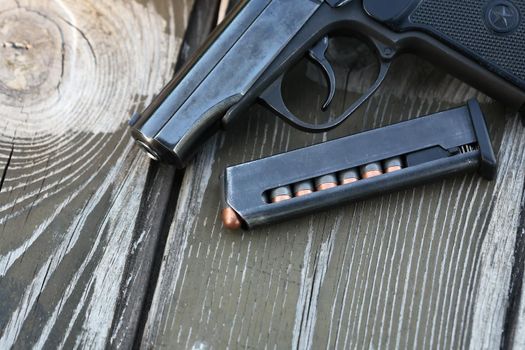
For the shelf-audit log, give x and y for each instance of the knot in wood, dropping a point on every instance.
(31, 53)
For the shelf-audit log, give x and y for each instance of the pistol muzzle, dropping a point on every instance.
(153, 148)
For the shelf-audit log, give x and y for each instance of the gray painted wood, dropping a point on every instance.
(516, 322)
(82, 211)
(76, 249)
(428, 267)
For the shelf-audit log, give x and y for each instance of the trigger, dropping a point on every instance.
(318, 54)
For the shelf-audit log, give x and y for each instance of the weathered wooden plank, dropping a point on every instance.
(497, 255)
(71, 72)
(158, 205)
(515, 320)
(424, 268)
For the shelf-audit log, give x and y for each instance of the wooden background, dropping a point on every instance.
(99, 247)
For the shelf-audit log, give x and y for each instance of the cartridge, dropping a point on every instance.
(359, 166)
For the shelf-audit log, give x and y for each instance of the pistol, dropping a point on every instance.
(246, 58)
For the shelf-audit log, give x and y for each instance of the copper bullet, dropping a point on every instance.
(393, 164)
(230, 219)
(371, 170)
(391, 169)
(348, 176)
(303, 188)
(281, 198)
(281, 194)
(325, 182)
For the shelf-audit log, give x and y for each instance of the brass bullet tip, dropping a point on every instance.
(372, 173)
(391, 169)
(230, 219)
(281, 198)
(303, 193)
(326, 186)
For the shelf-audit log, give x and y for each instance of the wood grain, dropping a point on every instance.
(71, 72)
(497, 252)
(157, 208)
(82, 210)
(428, 267)
(515, 335)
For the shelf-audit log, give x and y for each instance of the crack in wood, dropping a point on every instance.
(81, 32)
(152, 184)
(4, 172)
(17, 45)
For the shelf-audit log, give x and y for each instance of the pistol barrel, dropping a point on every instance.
(191, 106)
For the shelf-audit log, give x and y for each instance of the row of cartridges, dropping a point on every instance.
(325, 182)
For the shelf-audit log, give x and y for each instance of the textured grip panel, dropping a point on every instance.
(497, 43)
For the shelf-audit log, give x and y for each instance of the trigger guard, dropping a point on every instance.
(273, 99)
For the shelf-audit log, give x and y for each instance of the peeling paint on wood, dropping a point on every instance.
(403, 270)
(428, 267)
(71, 73)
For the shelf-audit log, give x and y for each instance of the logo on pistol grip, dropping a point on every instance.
(502, 16)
